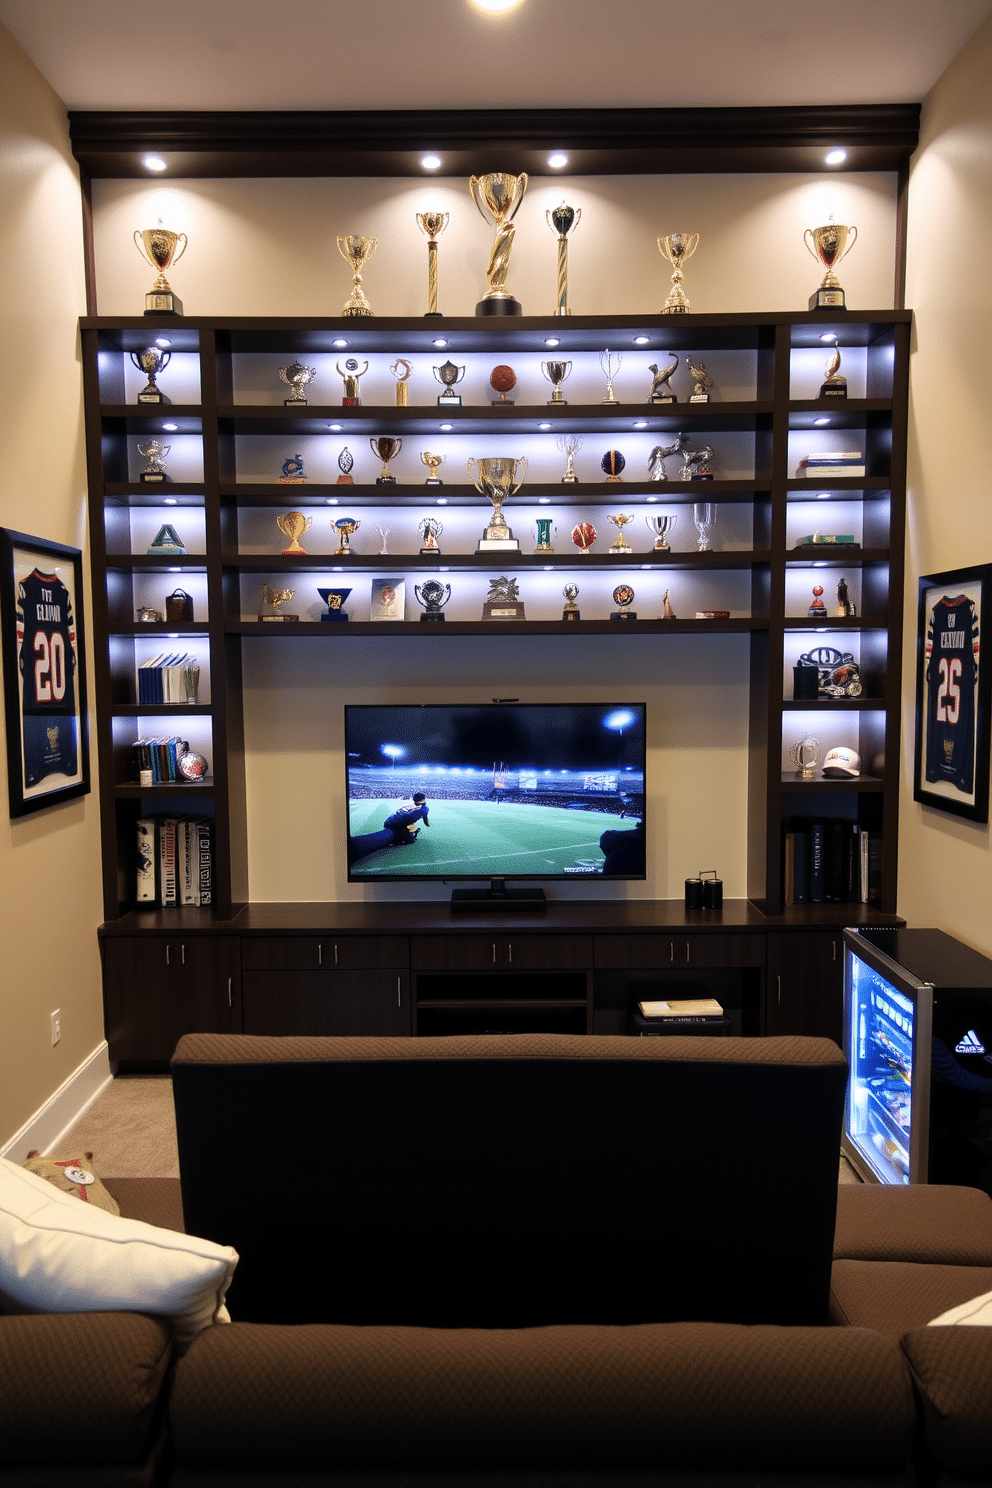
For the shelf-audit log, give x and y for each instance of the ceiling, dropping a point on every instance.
(442, 54)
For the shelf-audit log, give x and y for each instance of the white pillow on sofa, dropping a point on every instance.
(58, 1255)
(977, 1313)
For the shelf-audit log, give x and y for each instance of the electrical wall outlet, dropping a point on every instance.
(56, 1026)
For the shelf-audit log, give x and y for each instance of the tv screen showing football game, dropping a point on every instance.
(507, 790)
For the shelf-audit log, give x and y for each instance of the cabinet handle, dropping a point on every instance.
(833, 948)
(399, 992)
(509, 953)
(335, 953)
(779, 981)
(182, 953)
(494, 953)
(671, 950)
(229, 981)
(320, 954)
(168, 957)
(687, 953)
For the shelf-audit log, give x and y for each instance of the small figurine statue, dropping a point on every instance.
(817, 610)
(661, 387)
(668, 613)
(845, 604)
(694, 463)
(701, 392)
(351, 375)
(658, 456)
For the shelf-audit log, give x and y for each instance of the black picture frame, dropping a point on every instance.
(951, 761)
(47, 722)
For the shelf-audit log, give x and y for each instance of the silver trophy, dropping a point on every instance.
(449, 375)
(702, 379)
(383, 533)
(661, 525)
(430, 530)
(694, 463)
(297, 377)
(704, 520)
(432, 597)
(661, 385)
(150, 362)
(569, 444)
(497, 479)
(606, 362)
(571, 609)
(658, 456)
(556, 372)
(154, 452)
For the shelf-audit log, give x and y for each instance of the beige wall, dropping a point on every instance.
(945, 862)
(49, 861)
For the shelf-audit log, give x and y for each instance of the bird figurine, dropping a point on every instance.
(658, 456)
(703, 380)
(661, 388)
(834, 381)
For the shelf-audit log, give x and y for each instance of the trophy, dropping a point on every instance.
(432, 597)
(584, 535)
(498, 195)
(556, 372)
(661, 526)
(545, 530)
(502, 380)
(430, 530)
(387, 448)
(350, 373)
(402, 394)
(357, 252)
(623, 595)
(334, 600)
(561, 221)
(621, 548)
(432, 225)
(658, 456)
(167, 540)
(388, 599)
(293, 525)
(345, 527)
(817, 609)
(606, 362)
(277, 598)
(383, 533)
(667, 612)
(704, 520)
(158, 246)
(150, 362)
(829, 245)
(805, 756)
(694, 466)
(154, 452)
(297, 377)
(611, 465)
(571, 610)
(433, 463)
(449, 376)
(569, 444)
(346, 463)
(834, 384)
(661, 384)
(503, 601)
(703, 381)
(845, 604)
(677, 247)
(292, 472)
(497, 473)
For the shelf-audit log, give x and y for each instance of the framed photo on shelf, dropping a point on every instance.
(953, 685)
(44, 672)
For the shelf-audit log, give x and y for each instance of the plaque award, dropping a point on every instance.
(293, 525)
(503, 601)
(154, 451)
(150, 362)
(345, 527)
(571, 609)
(661, 383)
(432, 225)
(167, 540)
(694, 463)
(704, 520)
(561, 221)
(703, 381)
(297, 377)
(621, 548)
(502, 380)
(357, 251)
(346, 463)
(623, 595)
(351, 375)
(805, 755)
(430, 530)
(433, 463)
(834, 383)
(556, 372)
(277, 598)
(292, 472)
(611, 465)
(432, 597)
(658, 456)
(334, 600)
(158, 245)
(387, 448)
(402, 392)
(569, 444)
(496, 476)
(545, 530)
(584, 535)
(449, 376)
(606, 362)
(383, 533)
(817, 609)
(829, 244)
(661, 526)
(388, 599)
(677, 247)
(498, 197)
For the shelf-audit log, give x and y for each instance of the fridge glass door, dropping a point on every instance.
(880, 1044)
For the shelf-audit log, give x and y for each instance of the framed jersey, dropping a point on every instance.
(44, 675)
(951, 768)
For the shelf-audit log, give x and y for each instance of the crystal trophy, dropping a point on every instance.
(569, 444)
(704, 520)
(432, 597)
(293, 525)
(298, 378)
(383, 533)
(334, 600)
(150, 362)
(805, 755)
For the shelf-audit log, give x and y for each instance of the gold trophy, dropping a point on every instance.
(277, 598)
(498, 195)
(677, 247)
(297, 377)
(387, 449)
(158, 246)
(561, 221)
(556, 372)
(402, 394)
(432, 225)
(433, 463)
(621, 548)
(834, 383)
(829, 245)
(345, 527)
(293, 525)
(357, 251)
(497, 475)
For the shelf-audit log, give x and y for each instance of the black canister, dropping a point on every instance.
(712, 889)
(694, 893)
(806, 683)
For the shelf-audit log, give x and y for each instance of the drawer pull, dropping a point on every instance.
(335, 953)
(168, 959)
(833, 948)
(182, 953)
(779, 981)
(229, 1002)
(671, 950)
(509, 954)
(494, 953)
(399, 992)
(320, 954)
(687, 953)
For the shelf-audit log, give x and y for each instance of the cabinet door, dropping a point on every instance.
(157, 988)
(805, 984)
(338, 1003)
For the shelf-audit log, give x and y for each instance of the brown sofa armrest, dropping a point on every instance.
(939, 1223)
(952, 1368)
(895, 1297)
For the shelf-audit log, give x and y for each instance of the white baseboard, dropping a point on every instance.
(63, 1109)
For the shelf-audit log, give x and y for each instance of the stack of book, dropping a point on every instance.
(832, 862)
(687, 1010)
(832, 462)
(169, 679)
(154, 760)
(175, 861)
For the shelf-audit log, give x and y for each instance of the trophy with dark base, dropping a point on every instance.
(829, 244)
(497, 479)
(334, 600)
(498, 197)
(449, 375)
(561, 221)
(432, 597)
(387, 449)
(158, 245)
(503, 601)
(703, 381)
(433, 463)
(661, 384)
(297, 377)
(556, 372)
(623, 595)
(502, 380)
(351, 376)
(430, 530)
(150, 362)
(154, 473)
(345, 527)
(661, 526)
(834, 383)
(432, 225)
(571, 610)
(277, 598)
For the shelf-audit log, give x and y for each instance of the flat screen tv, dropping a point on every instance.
(496, 791)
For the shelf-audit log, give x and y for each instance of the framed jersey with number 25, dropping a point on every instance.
(951, 769)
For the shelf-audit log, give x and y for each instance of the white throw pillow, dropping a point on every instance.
(977, 1313)
(58, 1255)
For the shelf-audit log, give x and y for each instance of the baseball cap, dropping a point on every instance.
(842, 761)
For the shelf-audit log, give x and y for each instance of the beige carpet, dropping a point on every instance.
(130, 1129)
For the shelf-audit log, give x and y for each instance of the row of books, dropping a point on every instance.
(175, 861)
(833, 462)
(154, 761)
(832, 862)
(169, 679)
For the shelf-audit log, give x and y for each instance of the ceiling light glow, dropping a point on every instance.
(153, 163)
(835, 157)
(495, 7)
(557, 160)
(641, 340)
(431, 162)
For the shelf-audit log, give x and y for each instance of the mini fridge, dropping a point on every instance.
(918, 1041)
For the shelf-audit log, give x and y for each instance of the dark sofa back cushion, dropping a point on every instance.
(513, 1181)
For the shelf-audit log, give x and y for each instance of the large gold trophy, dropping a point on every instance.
(829, 244)
(677, 247)
(498, 196)
(432, 225)
(158, 245)
(497, 479)
(357, 251)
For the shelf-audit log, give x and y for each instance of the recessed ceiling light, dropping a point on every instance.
(336, 428)
(440, 341)
(824, 496)
(153, 163)
(170, 428)
(557, 160)
(431, 162)
(641, 424)
(162, 341)
(547, 568)
(819, 423)
(446, 428)
(649, 499)
(543, 500)
(551, 341)
(441, 501)
(169, 501)
(339, 341)
(641, 340)
(544, 426)
(835, 157)
(332, 501)
(828, 336)
(494, 7)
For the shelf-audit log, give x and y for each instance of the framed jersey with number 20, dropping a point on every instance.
(951, 770)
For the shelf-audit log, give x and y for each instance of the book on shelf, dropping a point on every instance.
(683, 1010)
(848, 462)
(154, 761)
(169, 678)
(175, 861)
(834, 861)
